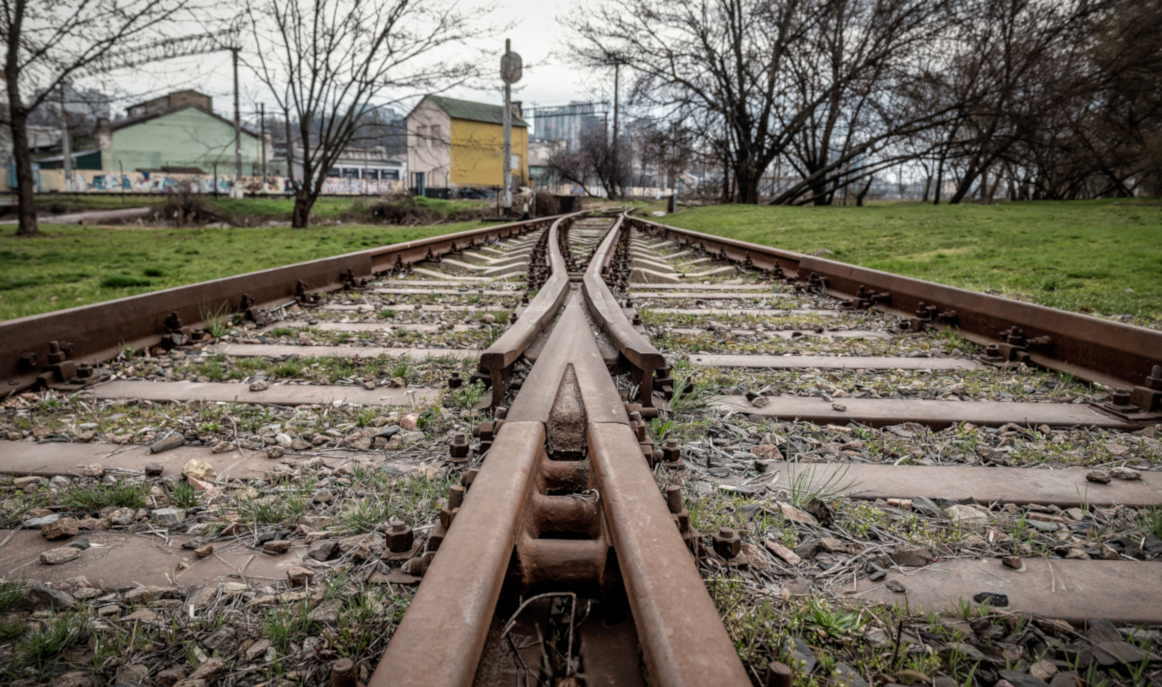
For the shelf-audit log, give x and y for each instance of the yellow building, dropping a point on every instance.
(458, 143)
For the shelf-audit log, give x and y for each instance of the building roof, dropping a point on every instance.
(75, 155)
(473, 112)
(131, 121)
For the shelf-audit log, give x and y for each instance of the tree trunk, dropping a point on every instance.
(927, 186)
(26, 202)
(748, 182)
(939, 181)
(304, 201)
(862, 193)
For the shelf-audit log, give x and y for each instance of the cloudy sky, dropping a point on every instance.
(547, 80)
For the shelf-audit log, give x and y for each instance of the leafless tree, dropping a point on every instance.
(592, 161)
(48, 43)
(742, 64)
(330, 64)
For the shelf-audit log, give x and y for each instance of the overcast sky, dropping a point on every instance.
(547, 81)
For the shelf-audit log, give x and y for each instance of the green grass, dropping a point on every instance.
(1075, 255)
(92, 499)
(326, 209)
(73, 266)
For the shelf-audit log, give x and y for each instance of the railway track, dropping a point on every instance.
(613, 451)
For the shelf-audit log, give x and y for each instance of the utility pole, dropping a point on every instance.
(510, 72)
(262, 118)
(66, 145)
(616, 170)
(236, 191)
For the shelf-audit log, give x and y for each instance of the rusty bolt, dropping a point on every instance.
(343, 673)
(468, 478)
(637, 320)
(445, 516)
(455, 496)
(28, 360)
(1154, 381)
(454, 380)
(84, 370)
(779, 675)
(727, 543)
(671, 451)
(674, 498)
(414, 566)
(400, 537)
(459, 447)
(992, 351)
(1121, 397)
(501, 411)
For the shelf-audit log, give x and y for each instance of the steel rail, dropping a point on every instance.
(568, 399)
(1110, 353)
(98, 331)
(605, 309)
(442, 635)
(541, 310)
(682, 637)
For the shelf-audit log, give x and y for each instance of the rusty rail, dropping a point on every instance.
(1110, 353)
(608, 313)
(498, 358)
(565, 502)
(442, 635)
(98, 331)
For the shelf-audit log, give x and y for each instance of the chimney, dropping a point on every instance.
(104, 135)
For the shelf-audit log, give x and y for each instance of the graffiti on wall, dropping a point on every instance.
(86, 181)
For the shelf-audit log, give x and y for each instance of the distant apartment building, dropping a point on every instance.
(565, 123)
(459, 143)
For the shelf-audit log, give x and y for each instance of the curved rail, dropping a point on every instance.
(608, 313)
(505, 351)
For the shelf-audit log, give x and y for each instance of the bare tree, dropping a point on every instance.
(48, 44)
(331, 63)
(742, 63)
(594, 160)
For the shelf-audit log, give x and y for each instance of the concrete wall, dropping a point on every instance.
(87, 181)
(477, 148)
(429, 149)
(186, 138)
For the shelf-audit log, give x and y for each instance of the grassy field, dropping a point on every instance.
(328, 209)
(1100, 256)
(72, 266)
